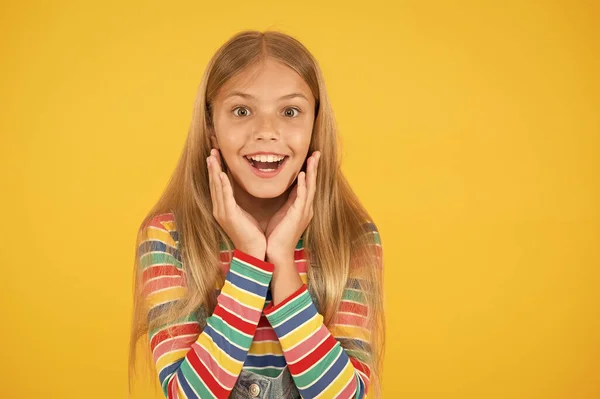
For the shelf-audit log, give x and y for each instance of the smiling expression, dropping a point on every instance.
(263, 121)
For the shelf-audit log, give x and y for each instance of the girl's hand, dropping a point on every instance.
(294, 216)
(277, 217)
(240, 226)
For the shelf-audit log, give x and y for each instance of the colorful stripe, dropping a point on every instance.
(193, 363)
(246, 331)
(318, 363)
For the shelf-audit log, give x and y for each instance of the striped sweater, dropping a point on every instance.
(246, 330)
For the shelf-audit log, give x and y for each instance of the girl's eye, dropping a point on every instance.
(244, 111)
(290, 112)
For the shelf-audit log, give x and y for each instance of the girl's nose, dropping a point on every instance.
(265, 129)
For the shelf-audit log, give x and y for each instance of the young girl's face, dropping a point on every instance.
(266, 110)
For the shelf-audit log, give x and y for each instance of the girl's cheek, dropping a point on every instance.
(234, 134)
(300, 141)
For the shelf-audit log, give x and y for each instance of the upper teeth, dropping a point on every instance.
(266, 158)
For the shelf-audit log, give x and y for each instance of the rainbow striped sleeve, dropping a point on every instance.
(318, 362)
(195, 362)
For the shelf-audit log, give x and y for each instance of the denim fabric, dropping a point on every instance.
(280, 387)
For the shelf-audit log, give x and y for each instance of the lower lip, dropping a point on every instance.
(266, 175)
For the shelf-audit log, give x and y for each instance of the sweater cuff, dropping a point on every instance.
(254, 261)
(292, 312)
(270, 308)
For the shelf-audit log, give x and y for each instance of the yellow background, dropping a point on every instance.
(470, 131)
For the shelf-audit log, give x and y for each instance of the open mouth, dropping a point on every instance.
(266, 166)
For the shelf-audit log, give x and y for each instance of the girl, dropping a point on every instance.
(258, 273)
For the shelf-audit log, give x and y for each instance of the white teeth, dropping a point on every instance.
(266, 158)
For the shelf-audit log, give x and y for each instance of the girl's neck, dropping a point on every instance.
(261, 209)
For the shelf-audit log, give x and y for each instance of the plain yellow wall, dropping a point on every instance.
(470, 131)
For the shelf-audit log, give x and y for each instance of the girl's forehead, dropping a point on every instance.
(268, 79)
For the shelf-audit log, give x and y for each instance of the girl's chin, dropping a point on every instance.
(268, 192)
(270, 188)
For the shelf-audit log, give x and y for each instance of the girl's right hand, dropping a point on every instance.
(239, 225)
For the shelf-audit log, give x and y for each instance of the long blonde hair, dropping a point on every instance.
(336, 239)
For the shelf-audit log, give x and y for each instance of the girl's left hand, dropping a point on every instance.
(283, 238)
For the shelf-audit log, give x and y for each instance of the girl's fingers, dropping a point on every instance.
(312, 179)
(217, 185)
(217, 155)
(301, 191)
(228, 199)
(219, 170)
(211, 184)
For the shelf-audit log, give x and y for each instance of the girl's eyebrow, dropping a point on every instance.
(249, 96)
